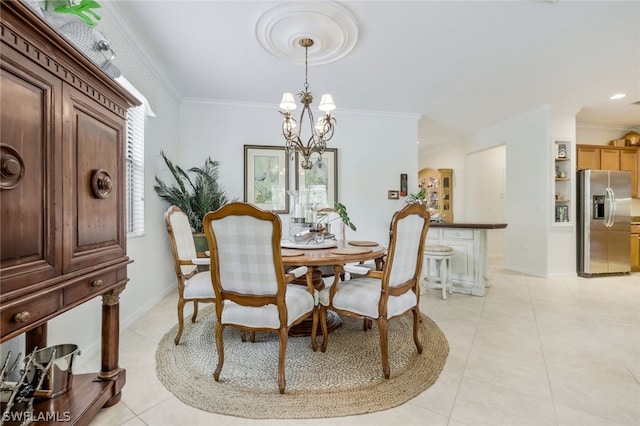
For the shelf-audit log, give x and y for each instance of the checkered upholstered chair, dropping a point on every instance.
(193, 286)
(253, 293)
(395, 290)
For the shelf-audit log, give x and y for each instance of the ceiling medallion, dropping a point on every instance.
(330, 25)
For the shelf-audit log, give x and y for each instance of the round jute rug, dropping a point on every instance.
(345, 380)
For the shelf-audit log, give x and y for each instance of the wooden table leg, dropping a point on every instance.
(304, 328)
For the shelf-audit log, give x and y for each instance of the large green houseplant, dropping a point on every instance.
(195, 191)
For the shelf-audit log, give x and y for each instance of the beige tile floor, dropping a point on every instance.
(533, 351)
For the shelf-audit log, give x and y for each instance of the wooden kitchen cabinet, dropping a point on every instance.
(603, 157)
(62, 192)
(635, 248)
(588, 157)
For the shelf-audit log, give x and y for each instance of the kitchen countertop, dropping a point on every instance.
(469, 225)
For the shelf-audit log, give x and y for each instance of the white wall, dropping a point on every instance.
(366, 170)
(485, 193)
(504, 175)
(598, 134)
(526, 190)
(562, 246)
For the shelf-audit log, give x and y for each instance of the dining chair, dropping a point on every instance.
(193, 285)
(382, 295)
(253, 292)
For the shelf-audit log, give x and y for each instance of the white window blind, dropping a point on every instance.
(135, 171)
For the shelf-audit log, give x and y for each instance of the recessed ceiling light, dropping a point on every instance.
(617, 96)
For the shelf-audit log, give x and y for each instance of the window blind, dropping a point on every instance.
(135, 171)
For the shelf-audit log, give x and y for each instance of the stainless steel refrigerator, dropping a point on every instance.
(604, 222)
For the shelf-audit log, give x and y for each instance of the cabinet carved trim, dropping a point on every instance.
(10, 37)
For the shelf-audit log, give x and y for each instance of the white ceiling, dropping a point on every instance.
(463, 65)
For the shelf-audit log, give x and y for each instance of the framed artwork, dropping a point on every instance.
(403, 184)
(266, 177)
(321, 181)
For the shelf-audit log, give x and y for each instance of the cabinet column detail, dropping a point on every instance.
(110, 333)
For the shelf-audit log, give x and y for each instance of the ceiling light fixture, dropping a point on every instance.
(617, 96)
(321, 131)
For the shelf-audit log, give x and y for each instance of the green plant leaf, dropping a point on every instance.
(82, 10)
(342, 211)
(196, 191)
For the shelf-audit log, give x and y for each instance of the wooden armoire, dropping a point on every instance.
(62, 197)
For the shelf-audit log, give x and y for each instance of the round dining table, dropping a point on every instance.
(313, 256)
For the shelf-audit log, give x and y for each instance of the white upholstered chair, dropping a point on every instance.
(253, 293)
(193, 286)
(395, 290)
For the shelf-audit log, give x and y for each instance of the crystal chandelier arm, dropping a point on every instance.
(288, 126)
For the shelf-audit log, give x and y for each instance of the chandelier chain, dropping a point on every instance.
(306, 69)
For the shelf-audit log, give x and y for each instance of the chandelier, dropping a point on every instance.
(321, 130)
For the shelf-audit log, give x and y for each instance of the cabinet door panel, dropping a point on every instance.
(96, 233)
(629, 161)
(29, 147)
(462, 267)
(588, 158)
(609, 159)
(635, 252)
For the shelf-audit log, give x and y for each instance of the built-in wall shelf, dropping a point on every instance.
(562, 182)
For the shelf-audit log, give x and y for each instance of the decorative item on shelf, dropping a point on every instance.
(76, 22)
(632, 138)
(195, 196)
(321, 131)
(45, 374)
(562, 150)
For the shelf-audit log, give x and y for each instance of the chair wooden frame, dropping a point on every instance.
(256, 300)
(178, 264)
(384, 275)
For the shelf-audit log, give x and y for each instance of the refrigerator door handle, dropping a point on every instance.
(613, 207)
(610, 219)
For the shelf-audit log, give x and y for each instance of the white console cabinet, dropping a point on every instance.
(469, 262)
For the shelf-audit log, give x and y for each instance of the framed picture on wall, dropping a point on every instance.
(321, 179)
(266, 177)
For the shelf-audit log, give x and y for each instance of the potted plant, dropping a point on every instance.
(323, 222)
(195, 195)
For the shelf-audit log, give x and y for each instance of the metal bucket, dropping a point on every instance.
(59, 374)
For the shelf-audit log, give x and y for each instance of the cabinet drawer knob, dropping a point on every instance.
(101, 184)
(97, 283)
(11, 167)
(22, 317)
